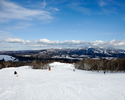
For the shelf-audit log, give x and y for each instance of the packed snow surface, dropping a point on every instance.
(61, 83)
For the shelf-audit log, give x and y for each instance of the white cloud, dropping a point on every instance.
(102, 3)
(108, 7)
(45, 43)
(10, 10)
(79, 8)
(44, 4)
(109, 11)
(27, 41)
(56, 9)
(76, 43)
(116, 3)
(37, 45)
(15, 40)
(117, 43)
(98, 42)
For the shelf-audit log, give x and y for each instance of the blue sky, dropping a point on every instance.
(40, 24)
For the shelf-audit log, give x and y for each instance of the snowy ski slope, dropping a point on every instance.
(61, 83)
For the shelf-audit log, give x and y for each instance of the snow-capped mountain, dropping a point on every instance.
(72, 54)
(7, 58)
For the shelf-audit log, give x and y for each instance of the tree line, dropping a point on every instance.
(37, 64)
(113, 65)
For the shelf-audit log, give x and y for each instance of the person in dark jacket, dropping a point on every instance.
(15, 72)
(104, 72)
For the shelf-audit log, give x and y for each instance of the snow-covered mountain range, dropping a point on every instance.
(79, 54)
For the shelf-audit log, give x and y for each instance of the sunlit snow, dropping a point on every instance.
(61, 83)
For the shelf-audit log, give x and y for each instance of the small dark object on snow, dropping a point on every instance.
(15, 72)
(49, 68)
(104, 72)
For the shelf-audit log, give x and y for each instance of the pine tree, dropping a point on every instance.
(3, 60)
(37, 59)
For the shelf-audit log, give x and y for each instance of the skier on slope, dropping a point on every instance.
(15, 73)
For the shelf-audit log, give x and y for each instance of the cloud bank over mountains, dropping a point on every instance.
(45, 43)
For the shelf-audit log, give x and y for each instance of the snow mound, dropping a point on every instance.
(7, 58)
(61, 83)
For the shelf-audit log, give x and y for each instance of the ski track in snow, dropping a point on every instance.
(60, 84)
